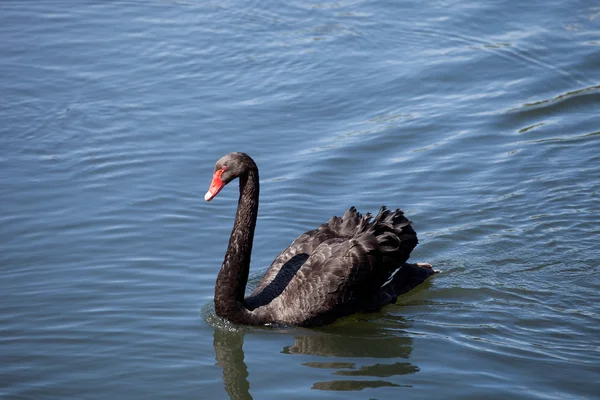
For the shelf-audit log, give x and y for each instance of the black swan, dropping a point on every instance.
(344, 266)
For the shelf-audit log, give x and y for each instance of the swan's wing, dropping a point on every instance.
(304, 244)
(336, 270)
(334, 280)
(298, 246)
(277, 284)
(307, 243)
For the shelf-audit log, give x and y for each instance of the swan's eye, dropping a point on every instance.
(223, 168)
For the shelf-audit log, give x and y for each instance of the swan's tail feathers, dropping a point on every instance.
(346, 225)
(395, 235)
(393, 231)
(408, 277)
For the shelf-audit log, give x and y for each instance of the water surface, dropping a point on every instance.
(479, 120)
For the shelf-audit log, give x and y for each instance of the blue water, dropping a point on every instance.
(481, 121)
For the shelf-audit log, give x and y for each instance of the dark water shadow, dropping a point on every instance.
(353, 340)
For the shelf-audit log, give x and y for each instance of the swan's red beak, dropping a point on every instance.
(216, 185)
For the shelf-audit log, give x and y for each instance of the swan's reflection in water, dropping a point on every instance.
(359, 340)
(230, 356)
(370, 339)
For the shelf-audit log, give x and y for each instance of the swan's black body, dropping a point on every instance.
(345, 266)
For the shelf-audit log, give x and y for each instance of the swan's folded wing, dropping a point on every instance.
(342, 267)
(333, 282)
(344, 227)
(271, 289)
(306, 243)
(298, 246)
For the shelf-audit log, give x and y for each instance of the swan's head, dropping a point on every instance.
(229, 167)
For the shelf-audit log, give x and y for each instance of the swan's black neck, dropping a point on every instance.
(233, 277)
